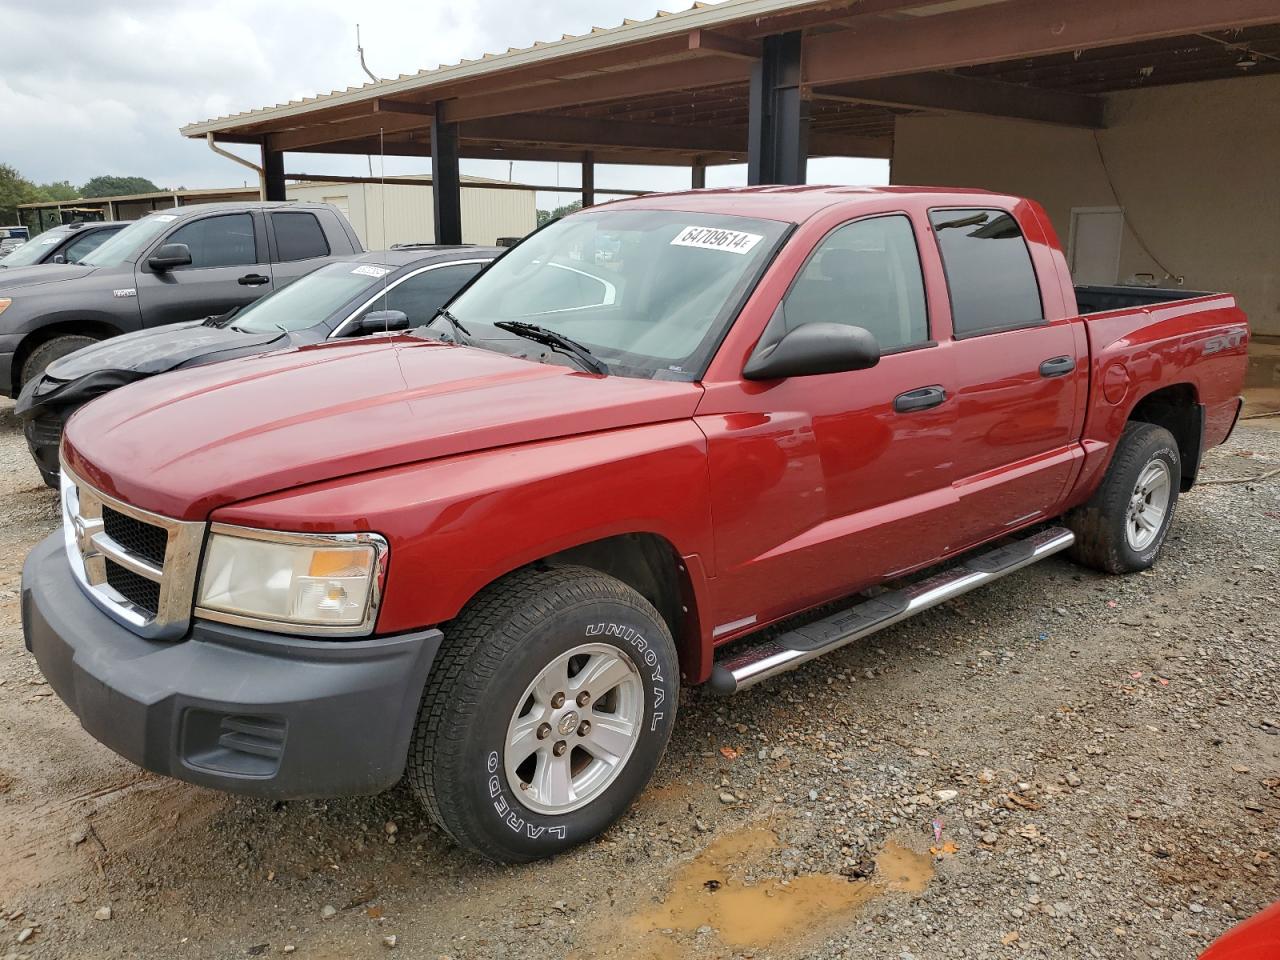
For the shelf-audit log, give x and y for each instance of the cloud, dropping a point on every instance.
(103, 90)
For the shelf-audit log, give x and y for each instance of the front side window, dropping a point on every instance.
(225, 241)
(82, 246)
(989, 271)
(649, 292)
(421, 296)
(865, 274)
(298, 236)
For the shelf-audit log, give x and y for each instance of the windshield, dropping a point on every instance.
(34, 249)
(311, 299)
(649, 292)
(130, 241)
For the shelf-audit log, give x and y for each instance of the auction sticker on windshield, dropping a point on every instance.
(713, 238)
(376, 272)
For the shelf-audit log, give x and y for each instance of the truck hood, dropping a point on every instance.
(159, 349)
(186, 443)
(13, 278)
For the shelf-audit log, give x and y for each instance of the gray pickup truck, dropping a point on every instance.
(185, 263)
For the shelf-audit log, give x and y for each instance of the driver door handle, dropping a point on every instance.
(253, 280)
(923, 398)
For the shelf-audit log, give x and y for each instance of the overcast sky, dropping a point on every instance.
(101, 87)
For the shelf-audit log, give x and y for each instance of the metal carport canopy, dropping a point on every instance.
(768, 81)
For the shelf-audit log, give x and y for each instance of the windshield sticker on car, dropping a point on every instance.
(130, 292)
(51, 240)
(166, 217)
(366, 271)
(713, 238)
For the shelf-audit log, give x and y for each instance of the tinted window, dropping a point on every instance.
(866, 274)
(84, 245)
(218, 241)
(421, 297)
(989, 271)
(298, 236)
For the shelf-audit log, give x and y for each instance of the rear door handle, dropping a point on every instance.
(924, 398)
(253, 280)
(1057, 367)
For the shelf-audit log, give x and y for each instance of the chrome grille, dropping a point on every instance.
(138, 566)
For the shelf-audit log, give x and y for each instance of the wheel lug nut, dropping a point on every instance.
(583, 698)
(557, 701)
(560, 748)
(584, 728)
(544, 731)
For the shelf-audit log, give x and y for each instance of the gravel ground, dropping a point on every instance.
(1061, 765)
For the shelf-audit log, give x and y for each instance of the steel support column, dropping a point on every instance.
(698, 175)
(779, 122)
(588, 179)
(273, 174)
(446, 180)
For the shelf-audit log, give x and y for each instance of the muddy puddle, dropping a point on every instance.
(732, 887)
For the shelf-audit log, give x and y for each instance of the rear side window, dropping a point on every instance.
(866, 274)
(989, 271)
(420, 297)
(299, 236)
(225, 241)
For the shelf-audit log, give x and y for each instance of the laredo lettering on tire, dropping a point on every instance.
(1123, 525)
(546, 713)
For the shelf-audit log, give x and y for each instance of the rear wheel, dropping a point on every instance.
(1123, 526)
(546, 713)
(42, 356)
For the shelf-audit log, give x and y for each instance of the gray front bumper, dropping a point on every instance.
(233, 709)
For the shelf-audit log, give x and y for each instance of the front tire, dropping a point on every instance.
(546, 713)
(44, 355)
(1124, 524)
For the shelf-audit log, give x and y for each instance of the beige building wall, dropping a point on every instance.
(1196, 168)
(405, 213)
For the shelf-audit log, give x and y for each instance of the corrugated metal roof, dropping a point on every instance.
(664, 23)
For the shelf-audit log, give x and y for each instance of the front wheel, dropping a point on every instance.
(1124, 524)
(546, 713)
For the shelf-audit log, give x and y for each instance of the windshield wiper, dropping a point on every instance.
(550, 338)
(454, 322)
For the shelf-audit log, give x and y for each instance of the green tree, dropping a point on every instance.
(117, 186)
(14, 189)
(546, 215)
(59, 190)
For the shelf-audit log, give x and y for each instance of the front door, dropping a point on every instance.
(822, 485)
(228, 269)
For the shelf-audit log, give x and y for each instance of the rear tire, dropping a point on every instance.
(1123, 525)
(42, 356)
(517, 754)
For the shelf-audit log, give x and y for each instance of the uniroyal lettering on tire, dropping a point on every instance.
(510, 689)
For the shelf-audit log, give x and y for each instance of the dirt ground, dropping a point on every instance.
(1061, 765)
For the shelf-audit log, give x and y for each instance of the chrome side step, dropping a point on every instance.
(746, 668)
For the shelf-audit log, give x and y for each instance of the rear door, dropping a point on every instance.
(228, 269)
(1021, 377)
(298, 244)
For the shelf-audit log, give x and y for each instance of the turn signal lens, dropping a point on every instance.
(4, 303)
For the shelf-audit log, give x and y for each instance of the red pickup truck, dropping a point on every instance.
(657, 444)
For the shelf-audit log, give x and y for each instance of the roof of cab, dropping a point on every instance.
(794, 203)
(412, 256)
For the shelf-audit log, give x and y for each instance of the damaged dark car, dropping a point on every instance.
(364, 294)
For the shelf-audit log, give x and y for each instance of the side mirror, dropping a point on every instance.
(814, 348)
(379, 320)
(58, 258)
(169, 256)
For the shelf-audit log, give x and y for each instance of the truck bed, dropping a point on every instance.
(1099, 299)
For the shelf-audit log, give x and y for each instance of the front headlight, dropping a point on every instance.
(292, 582)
